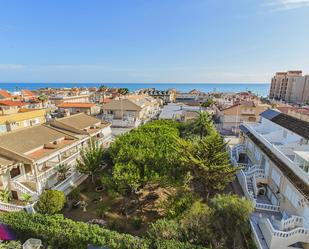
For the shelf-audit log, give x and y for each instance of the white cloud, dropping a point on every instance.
(281, 5)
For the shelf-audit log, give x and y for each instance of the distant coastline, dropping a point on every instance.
(258, 88)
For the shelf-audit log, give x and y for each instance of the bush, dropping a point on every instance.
(177, 204)
(136, 222)
(102, 210)
(50, 202)
(164, 229)
(58, 232)
(10, 245)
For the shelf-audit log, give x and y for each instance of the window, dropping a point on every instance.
(250, 145)
(291, 195)
(276, 177)
(285, 133)
(257, 155)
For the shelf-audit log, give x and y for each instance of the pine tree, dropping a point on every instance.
(209, 163)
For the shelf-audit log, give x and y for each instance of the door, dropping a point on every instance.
(14, 195)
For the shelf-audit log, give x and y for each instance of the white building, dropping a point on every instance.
(30, 157)
(274, 156)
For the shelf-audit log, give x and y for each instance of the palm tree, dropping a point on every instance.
(202, 125)
(90, 159)
(5, 195)
(43, 98)
(103, 89)
(123, 91)
(62, 171)
(208, 103)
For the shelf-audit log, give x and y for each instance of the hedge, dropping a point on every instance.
(62, 233)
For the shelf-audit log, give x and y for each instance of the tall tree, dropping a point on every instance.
(209, 163)
(103, 90)
(232, 214)
(202, 125)
(90, 159)
(149, 153)
(43, 98)
(196, 224)
(123, 91)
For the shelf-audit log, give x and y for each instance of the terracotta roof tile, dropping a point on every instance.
(76, 104)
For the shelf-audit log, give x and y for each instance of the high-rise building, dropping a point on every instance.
(290, 87)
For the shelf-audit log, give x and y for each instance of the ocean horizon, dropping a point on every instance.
(261, 89)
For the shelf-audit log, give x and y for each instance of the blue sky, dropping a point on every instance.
(152, 40)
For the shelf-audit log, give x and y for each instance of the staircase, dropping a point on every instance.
(280, 239)
(25, 188)
(250, 187)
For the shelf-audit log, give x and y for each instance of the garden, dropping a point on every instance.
(162, 185)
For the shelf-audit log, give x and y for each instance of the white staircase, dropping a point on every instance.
(24, 189)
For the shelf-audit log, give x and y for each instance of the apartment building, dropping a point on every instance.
(20, 118)
(69, 108)
(30, 157)
(291, 87)
(131, 111)
(231, 117)
(274, 160)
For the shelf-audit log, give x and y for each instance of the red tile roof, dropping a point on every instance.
(5, 94)
(27, 93)
(12, 103)
(76, 104)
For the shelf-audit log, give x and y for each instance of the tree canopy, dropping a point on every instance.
(50, 202)
(90, 159)
(147, 154)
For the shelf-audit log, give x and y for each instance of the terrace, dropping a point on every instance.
(289, 147)
(272, 227)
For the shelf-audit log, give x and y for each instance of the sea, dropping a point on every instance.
(259, 89)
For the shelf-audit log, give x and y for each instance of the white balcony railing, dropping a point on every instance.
(267, 207)
(8, 207)
(23, 189)
(292, 165)
(292, 222)
(299, 234)
(70, 182)
(46, 174)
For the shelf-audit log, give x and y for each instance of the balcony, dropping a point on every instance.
(70, 182)
(271, 227)
(280, 150)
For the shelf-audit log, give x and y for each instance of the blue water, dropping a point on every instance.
(260, 89)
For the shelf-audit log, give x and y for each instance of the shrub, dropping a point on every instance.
(10, 245)
(164, 229)
(58, 232)
(102, 209)
(50, 202)
(136, 222)
(177, 204)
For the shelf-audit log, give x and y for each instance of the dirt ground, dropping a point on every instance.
(141, 210)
